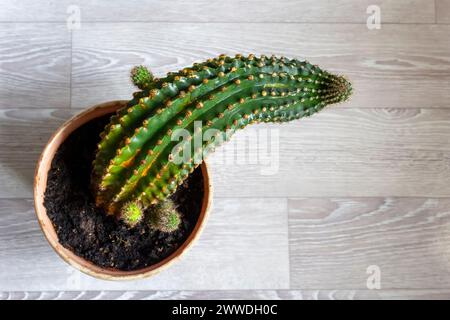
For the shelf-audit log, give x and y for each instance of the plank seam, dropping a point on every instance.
(71, 69)
(435, 12)
(225, 22)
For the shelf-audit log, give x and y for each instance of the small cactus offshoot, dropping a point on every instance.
(164, 217)
(141, 77)
(135, 157)
(132, 213)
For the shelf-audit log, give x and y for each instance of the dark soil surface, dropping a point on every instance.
(87, 231)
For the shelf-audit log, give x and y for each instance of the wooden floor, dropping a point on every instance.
(366, 183)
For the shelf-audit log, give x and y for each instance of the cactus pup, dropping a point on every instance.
(134, 167)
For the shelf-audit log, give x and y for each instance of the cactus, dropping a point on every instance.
(164, 217)
(141, 77)
(135, 158)
(132, 213)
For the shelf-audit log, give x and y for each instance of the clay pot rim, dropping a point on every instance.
(40, 182)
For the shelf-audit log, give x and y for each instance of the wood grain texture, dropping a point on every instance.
(443, 11)
(399, 66)
(365, 183)
(338, 11)
(237, 250)
(333, 241)
(34, 65)
(23, 135)
(229, 295)
(339, 152)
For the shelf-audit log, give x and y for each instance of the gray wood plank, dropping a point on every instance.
(244, 246)
(23, 135)
(34, 65)
(339, 152)
(399, 66)
(398, 11)
(230, 294)
(443, 11)
(24, 253)
(334, 241)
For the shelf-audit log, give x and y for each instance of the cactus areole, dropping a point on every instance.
(137, 163)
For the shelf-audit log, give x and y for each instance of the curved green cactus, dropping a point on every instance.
(135, 158)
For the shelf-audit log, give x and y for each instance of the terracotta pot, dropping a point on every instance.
(40, 183)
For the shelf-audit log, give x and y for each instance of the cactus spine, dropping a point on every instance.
(134, 162)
